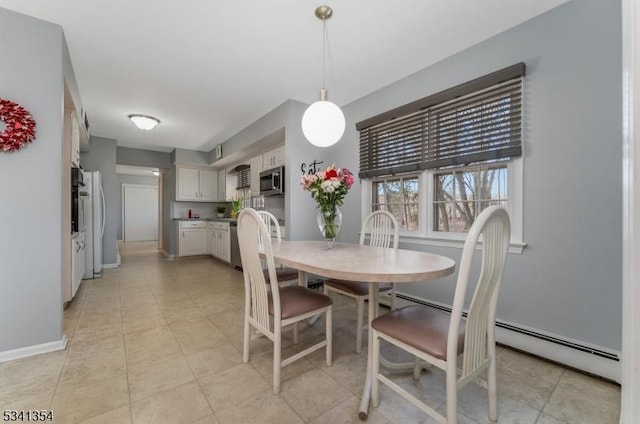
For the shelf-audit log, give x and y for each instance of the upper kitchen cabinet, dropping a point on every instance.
(208, 185)
(222, 185)
(273, 158)
(77, 135)
(196, 184)
(75, 140)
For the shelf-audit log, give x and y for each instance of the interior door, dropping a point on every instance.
(140, 213)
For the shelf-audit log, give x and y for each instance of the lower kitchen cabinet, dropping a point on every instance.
(77, 261)
(220, 243)
(192, 238)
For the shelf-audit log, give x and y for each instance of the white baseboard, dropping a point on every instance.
(23, 352)
(168, 255)
(116, 265)
(574, 358)
(593, 359)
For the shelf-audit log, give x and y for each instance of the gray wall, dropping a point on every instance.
(102, 157)
(32, 75)
(568, 279)
(191, 157)
(129, 179)
(169, 232)
(140, 157)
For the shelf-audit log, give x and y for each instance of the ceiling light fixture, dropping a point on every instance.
(144, 122)
(323, 122)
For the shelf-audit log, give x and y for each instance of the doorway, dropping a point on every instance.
(139, 212)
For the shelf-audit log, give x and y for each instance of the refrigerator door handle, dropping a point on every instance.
(103, 212)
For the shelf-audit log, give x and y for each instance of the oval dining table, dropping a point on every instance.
(368, 264)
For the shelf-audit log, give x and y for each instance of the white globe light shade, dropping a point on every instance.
(323, 123)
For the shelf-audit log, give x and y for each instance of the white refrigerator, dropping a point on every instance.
(94, 215)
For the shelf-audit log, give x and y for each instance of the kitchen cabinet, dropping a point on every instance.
(256, 168)
(75, 140)
(78, 248)
(192, 238)
(220, 242)
(222, 185)
(273, 158)
(196, 184)
(76, 134)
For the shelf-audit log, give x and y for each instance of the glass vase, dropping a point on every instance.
(329, 222)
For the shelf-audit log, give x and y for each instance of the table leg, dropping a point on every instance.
(366, 394)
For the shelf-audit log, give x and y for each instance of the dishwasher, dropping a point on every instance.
(235, 247)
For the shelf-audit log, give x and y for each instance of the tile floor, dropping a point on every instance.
(159, 341)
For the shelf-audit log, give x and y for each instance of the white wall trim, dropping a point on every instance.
(116, 265)
(630, 396)
(593, 364)
(23, 352)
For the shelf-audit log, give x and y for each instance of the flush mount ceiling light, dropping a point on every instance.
(323, 122)
(144, 122)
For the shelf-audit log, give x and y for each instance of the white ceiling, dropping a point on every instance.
(207, 69)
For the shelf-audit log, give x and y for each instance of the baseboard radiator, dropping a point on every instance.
(572, 353)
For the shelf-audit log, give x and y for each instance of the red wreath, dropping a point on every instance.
(20, 127)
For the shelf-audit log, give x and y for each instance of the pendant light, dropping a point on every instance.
(323, 122)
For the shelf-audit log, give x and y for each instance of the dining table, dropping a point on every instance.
(355, 262)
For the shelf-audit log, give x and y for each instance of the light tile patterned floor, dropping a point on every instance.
(159, 341)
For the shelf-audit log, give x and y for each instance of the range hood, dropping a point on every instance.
(243, 173)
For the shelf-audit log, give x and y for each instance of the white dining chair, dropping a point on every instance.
(381, 230)
(284, 273)
(437, 337)
(268, 311)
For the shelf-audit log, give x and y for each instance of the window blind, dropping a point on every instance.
(474, 122)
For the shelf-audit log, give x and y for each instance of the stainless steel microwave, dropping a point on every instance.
(272, 182)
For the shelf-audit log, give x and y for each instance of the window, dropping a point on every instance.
(436, 163)
(398, 195)
(460, 194)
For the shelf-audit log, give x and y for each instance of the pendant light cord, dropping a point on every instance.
(323, 91)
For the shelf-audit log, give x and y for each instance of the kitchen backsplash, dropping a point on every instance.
(275, 205)
(204, 210)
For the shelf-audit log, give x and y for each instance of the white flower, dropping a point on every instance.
(327, 187)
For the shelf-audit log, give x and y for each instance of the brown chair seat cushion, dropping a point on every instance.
(297, 300)
(356, 288)
(421, 327)
(283, 273)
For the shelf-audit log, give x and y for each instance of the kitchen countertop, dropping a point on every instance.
(280, 221)
(207, 219)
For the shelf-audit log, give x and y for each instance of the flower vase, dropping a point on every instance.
(329, 222)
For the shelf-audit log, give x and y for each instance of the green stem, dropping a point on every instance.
(330, 228)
